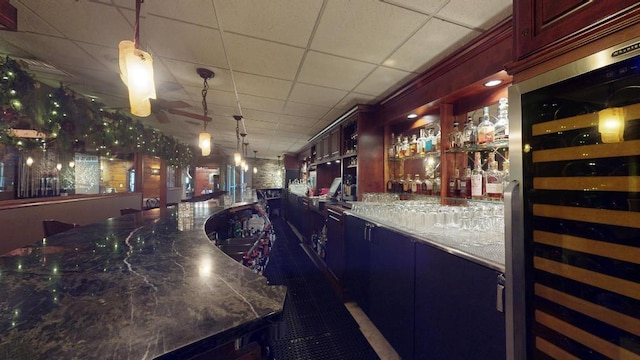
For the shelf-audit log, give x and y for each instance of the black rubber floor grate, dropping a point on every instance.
(333, 345)
(315, 323)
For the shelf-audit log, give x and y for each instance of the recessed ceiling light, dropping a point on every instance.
(412, 116)
(491, 83)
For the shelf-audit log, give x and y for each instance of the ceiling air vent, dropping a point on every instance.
(40, 66)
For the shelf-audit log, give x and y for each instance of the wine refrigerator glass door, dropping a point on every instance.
(579, 254)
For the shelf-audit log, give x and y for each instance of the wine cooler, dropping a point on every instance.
(573, 246)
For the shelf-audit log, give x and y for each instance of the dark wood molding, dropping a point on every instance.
(8, 16)
(580, 40)
(484, 56)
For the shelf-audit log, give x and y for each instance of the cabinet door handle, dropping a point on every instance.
(500, 293)
(364, 235)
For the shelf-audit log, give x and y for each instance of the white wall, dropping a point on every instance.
(21, 223)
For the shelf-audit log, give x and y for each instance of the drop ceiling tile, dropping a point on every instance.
(261, 115)
(367, 30)
(181, 41)
(333, 71)
(226, 112)
(297, 120)
(330, 117)
(262, 57)
(383, 79)
(471, 14)
(185, 73)
(316, 95)
(262, 86)
(306, 110)
(424, 6)
(85, 21)
(292, 129)
(200, 12)
(61, 53)
(258, 126)
(440, 37)
(261, 103)
(289, 22)
(214, 97)
(29, 21)
(352, 99)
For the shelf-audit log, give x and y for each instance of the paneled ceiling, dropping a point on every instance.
(289, 67)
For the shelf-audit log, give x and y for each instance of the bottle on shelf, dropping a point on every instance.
(486, 128)
(404, 150)
(506, 177)
(428, 142)
(455, 137)
(465, 184)
(437, 186)
(427, 186)
(437, 138)
(469, 133)
(392, 147)
(493, 179)
(451, 189)
(413, 145)
(417, 183)
(422, 142)
(398, 150)
(390, 185)
(477, 177)
(402, 185)
(409, 185)
(502, 123)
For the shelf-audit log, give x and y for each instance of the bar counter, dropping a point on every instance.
(138, 286)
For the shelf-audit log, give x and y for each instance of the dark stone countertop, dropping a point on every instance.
(137, 286)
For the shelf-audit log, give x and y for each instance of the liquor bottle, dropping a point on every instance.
(405, 147)
(427, 185)
(418, 185)
(437, 186)
(422, 142)
(455, 137)
(413, 145)
(465, 184)
(486, 128)
(506, 177)
(493, 180)
(428, 143)
(437, 139)
(451, 189)
(502, 124)
(477, 183)
(392, 147)
(469, 133)
(399, 147)
(409, 184)
(390, 184)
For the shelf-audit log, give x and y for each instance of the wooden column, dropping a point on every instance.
(163, 183)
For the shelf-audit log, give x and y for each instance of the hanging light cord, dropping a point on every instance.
(205, 109)
(136, 27)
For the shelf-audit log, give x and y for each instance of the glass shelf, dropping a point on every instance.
(416, 157)
(484, 147)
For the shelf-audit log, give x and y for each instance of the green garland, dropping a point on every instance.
(75, 124)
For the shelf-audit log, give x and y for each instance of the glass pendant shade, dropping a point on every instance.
(237, 158)
(204, 141)
(243, 164)
(136, 71)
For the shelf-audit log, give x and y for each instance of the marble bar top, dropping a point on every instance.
(484, 248)
(138, 286)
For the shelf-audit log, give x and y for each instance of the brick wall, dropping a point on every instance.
(269, 175)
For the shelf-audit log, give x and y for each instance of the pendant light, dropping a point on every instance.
(237, 157)
(204, 138)
(136, 71)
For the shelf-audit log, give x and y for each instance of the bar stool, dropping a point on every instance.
(52, 227)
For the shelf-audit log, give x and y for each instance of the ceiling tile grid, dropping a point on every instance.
(290, 68)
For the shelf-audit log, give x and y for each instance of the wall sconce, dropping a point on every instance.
(155, 171)
(611, 123)
(136, 71)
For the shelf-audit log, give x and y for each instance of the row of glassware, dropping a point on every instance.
(429, 216)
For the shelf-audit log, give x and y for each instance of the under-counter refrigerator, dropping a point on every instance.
(573, 211)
